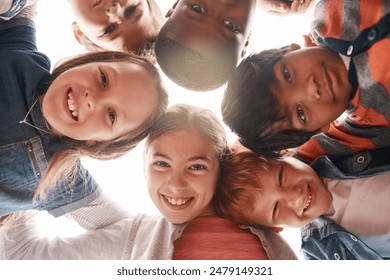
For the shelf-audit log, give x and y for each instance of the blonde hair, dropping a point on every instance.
(66, 163)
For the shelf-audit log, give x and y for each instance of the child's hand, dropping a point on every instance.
(286, 7)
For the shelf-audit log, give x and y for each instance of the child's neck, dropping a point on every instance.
(209, 211)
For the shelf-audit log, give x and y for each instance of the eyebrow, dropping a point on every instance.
(200, 158)
(203, 158)
(161, 155)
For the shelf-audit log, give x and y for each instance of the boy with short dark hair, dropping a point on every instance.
(279, 99)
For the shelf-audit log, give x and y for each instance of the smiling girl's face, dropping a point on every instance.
(100, 101)
(120, 25)
(182, 170)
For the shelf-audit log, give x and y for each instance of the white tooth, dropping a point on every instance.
(74, 114)
(71, 95)
(72, 107)
(180, 201)
(173, 201)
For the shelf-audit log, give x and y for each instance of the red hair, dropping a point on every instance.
(238, 184)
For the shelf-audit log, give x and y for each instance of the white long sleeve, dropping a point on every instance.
(99, 213)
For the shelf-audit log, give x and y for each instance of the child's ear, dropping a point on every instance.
(169, 13)
(78, 34)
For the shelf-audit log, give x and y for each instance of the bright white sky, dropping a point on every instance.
(123, 179)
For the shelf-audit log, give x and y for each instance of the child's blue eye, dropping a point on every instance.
(161, 164)
(111, 115)
(198, 9)
(129, 11)
(301, 115)
(109, 29)
(286, 74)
(232, 26)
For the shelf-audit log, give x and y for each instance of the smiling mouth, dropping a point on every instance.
(329, 82)
(177, 201)
(308, 202)
(72, 105)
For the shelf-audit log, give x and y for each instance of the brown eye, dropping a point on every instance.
(104, 79)
(231, 26)
(198, 9)
(109, 29)
(129, 11)
(301, 115)
(286, 74)
(111, 116)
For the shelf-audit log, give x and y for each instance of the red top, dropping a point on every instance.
(216, 238)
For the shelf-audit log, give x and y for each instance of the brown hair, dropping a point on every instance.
(181, 116)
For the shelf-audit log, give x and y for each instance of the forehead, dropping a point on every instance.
(185, 141)
(310, 53)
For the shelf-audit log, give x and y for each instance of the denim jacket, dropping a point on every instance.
(324, 239)
(25, 150)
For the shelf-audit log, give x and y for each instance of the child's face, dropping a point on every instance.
(312, 88)
(120, 27)
(208, 26)
(182, 170)
(292, 195)
(100, 101)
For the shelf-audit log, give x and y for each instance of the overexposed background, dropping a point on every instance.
(123, 179)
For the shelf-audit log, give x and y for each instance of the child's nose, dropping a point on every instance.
(295, 198)
(314, 88)
(177, 182)
(114, 12)
(89, 101)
